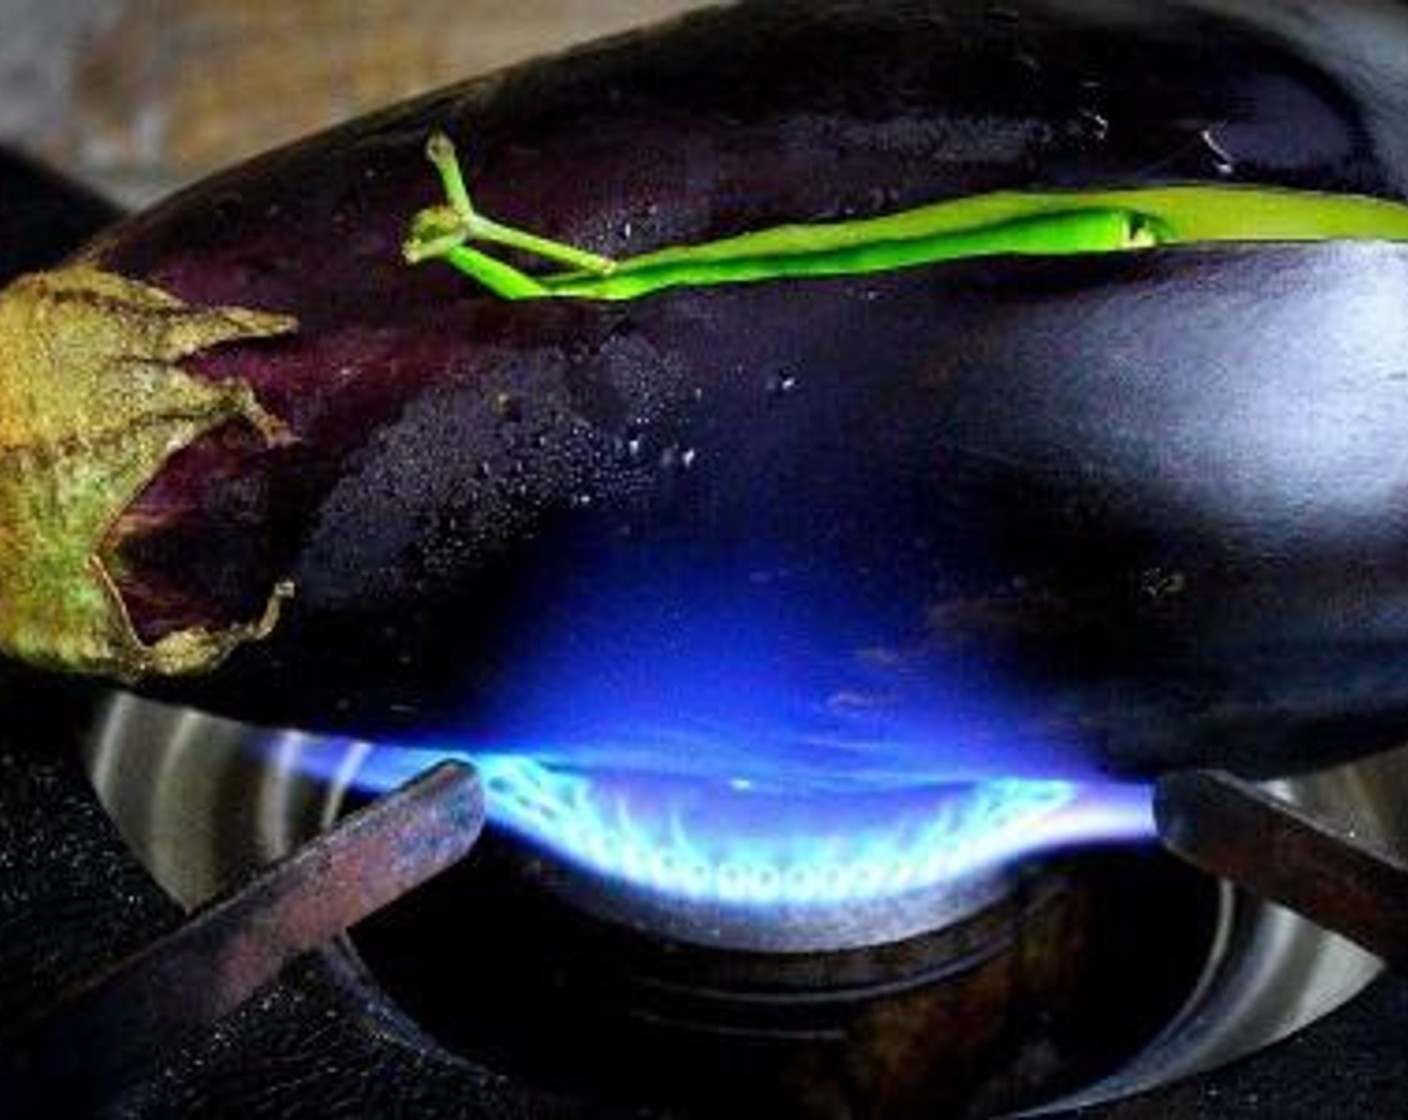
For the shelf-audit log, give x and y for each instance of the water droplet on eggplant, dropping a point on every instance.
(782, 385)
(677, 459)
(1093, 125)
(1222, 161)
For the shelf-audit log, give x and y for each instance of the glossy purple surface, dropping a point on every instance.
(1138, 510)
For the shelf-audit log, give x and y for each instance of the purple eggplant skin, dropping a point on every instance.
(1139, 512)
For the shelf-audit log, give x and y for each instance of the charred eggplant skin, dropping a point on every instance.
(1141, 510)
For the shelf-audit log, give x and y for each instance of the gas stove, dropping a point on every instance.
(186, 929)
(1113, 981)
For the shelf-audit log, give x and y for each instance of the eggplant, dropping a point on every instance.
(1010, 511)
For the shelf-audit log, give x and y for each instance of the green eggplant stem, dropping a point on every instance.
(1009, 223)
(443, 230)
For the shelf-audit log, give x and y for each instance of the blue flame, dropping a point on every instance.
(746, 844)
(736, 716)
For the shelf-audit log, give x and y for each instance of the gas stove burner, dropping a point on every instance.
(586, 1004)
(202, 801)
(770, 873)
(740, 846)
(758, 866)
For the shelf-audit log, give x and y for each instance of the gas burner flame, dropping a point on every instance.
(748, 725)
(746, 843)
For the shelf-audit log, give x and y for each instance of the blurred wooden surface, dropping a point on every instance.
(138, 96)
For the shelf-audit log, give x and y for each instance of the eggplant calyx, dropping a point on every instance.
(199, 649)
(93, 402)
